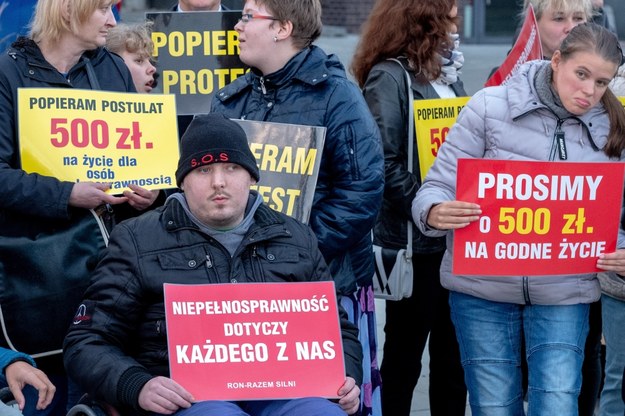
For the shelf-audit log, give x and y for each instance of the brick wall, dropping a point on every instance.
(348, 14)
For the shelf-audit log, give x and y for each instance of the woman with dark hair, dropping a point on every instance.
(423, 43)
(545, 107)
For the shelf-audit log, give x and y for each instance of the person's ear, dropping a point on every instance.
(555, 60)
(285, 30)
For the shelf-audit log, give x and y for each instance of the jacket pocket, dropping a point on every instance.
(188, 259)
(280, 263)
(278, 255)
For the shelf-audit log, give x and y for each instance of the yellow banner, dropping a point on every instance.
(289, 159)
(433, 119)
(85, 135)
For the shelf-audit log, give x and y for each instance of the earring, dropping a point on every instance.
(275, 38)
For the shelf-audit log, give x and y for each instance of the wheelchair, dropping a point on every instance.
(86, 406)
(6, 397)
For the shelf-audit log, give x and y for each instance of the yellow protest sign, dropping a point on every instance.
(433, 119)
(289, 160)
(85, 135)
(197, 54)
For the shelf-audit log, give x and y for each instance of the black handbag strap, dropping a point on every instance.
(93, 79)
(411, 140)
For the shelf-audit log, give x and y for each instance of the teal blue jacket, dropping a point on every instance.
(8, 357)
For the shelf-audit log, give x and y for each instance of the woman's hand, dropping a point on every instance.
(140, 198)
(453, 214)
(92, 194)
(613, 262)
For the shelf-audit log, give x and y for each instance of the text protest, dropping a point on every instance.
(538, 218)
(433, 120)
(289, 159)
(197, 54)
(84, 135)
(255, 340)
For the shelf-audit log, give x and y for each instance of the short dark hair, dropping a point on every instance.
(305, 15)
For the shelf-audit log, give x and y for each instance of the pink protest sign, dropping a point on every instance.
(255, 340)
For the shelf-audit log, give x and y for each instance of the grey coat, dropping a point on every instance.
(612, 285)
(510, 123)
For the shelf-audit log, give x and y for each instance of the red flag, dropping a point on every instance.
(526, 48)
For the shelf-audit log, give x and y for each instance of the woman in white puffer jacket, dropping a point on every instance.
(493, 314)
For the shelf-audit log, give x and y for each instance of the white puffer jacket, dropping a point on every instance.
(510, 123)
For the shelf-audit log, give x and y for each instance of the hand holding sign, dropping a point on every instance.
(453, 215)
(613, 262)
(90, 195)
(349, 396)
(140, 198)
(163, 395)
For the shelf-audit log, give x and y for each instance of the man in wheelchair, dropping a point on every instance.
(215, 231)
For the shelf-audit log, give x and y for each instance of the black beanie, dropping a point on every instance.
(214, 138)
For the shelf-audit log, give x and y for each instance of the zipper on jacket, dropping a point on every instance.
(209, 262)
(558, 146)
(107, 214)
(560, 142)
(262, 85)
(256, 266)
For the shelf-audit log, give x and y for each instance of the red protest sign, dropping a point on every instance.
(526, 48)
(538, 218)
(255, 340)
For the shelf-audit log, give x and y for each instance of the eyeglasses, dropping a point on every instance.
(246, 17)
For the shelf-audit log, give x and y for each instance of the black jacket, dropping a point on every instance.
(120, 343)
(386, 94)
